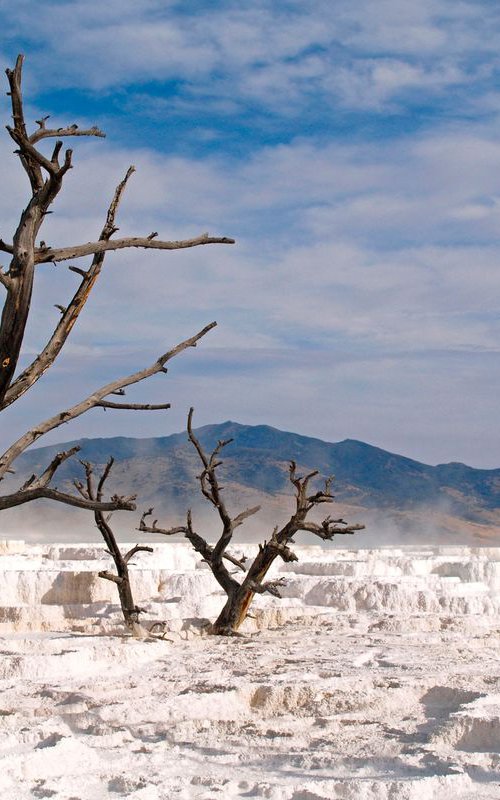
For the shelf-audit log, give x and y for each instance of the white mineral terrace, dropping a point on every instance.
(376, 677)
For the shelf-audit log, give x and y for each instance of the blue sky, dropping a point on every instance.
(353, 149)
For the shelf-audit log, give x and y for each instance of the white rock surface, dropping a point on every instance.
(376, 677)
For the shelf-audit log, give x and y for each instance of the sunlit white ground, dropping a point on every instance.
(379, 678)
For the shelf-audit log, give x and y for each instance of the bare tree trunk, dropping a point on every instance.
(233, 614)
(237, 604)
(129, 608)
(122, 579)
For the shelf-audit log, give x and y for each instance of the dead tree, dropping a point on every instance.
(90, 491)
(46, 175)
(241, 593)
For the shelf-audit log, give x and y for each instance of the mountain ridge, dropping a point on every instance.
(370, 483)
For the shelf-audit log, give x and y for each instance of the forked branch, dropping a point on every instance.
(37, 487)
(50, 471)
(45, 492)
(199, 544)
(95, 398)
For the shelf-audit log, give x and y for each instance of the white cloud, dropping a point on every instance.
(280, 55)
(368, 243)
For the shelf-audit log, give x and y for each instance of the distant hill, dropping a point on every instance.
(398, 498)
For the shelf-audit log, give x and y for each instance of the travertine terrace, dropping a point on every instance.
(375, 677)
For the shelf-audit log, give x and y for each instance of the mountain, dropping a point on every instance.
(395, 496)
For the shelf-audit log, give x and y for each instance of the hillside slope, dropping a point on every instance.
(396, 496)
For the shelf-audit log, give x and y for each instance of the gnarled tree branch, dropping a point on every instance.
(14, 77)
(134, 406)
(37, 487)
(199, 544)
(94, 399)
(26, 496)
(45, 254)
(56, 462)
(72, 130)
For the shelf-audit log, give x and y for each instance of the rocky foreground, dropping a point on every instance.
(376, 677)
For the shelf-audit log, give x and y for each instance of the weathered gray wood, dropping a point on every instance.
(46, 254)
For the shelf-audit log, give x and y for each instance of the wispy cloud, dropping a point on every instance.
(277, 54)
